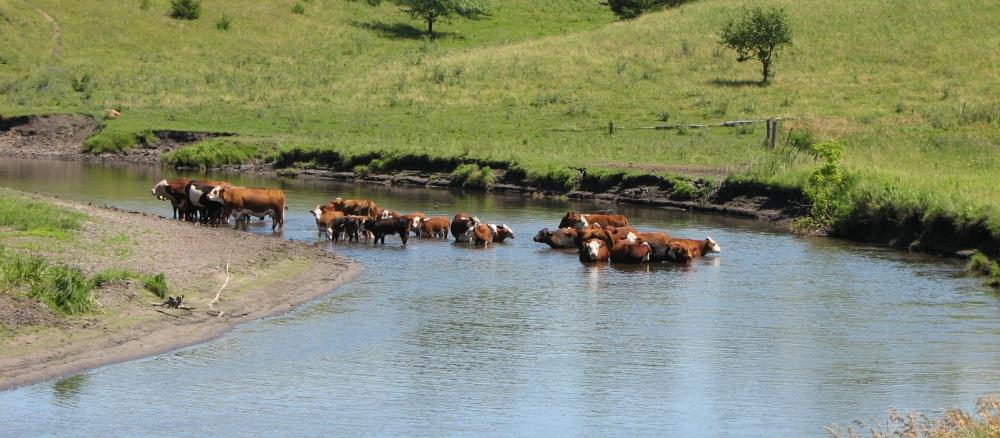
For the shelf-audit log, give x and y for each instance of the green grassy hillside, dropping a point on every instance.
(910, 88)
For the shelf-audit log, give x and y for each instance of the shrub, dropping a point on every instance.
(185, 9)
(223, 22)
(144, 5)
(361, 170)
(626, 9)
(801, 140)
(827, 190)
(298, 9)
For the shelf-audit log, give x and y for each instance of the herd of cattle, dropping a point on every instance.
(597, 237)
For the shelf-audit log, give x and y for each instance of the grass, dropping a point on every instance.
(981, 265)
(65, 289)
(908, 89)
(955, 423)
(37, 219)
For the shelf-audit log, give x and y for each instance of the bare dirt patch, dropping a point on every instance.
(269, 275)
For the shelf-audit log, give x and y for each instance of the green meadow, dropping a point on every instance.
(909, 88)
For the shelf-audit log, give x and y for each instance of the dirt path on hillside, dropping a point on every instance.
(56, 30)
(269, 275)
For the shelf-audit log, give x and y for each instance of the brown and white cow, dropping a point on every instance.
(582, 220)
(501, 232)
(325, 215)
(627, 251)
(358, 207)
(434, 227)
(595, 250)
(561, 238)
(658, 241)
(462, 226)
(173, 191)
(243, 203)
(683, 250)
(415, 218)
(483, 235)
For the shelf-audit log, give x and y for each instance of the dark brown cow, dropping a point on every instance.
(626, 251)
(357, 207)
(350, 226)
(243, 203)
(593, 232)
(582, 220)
(173, 191)
(325, 215)
(393, 225)
(561, 238)
(595, 250)
(462, 226)
(683, 250)
(434, 227)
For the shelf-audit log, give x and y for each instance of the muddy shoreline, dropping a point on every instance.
(269, 277)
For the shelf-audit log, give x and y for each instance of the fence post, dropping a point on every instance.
(772, 133)
(611, 127)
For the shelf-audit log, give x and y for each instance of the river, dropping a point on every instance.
(775, 336)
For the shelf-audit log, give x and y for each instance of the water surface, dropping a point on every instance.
(777, 336)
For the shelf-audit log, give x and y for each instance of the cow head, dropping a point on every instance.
(215, 195)
(648, 250)
(317, 212)
(505, 232)
(593, 248)
(711, 245)
(160, 190)
(572, 219)
(543, 236)
(416, 223)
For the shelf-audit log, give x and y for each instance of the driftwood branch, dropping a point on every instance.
(218, 294)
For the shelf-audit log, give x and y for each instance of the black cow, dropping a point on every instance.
(392, 225)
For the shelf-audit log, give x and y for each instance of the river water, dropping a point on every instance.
(776, 336)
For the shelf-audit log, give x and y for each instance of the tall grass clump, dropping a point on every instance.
(185, 9)
(981, 265)
(67, 290)
(224, 22)
(298, 9)
(471, 175)
(157, 284)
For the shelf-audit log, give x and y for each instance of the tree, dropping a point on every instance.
(757, 33)
(431, 11)
(627, 9)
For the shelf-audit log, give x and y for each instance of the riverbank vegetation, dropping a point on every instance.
(908, 90)
(955, 423)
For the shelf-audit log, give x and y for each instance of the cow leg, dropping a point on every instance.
(404, 236)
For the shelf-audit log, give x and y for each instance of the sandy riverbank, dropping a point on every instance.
(269, 275)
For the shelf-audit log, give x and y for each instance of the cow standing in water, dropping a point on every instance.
(392, 225)
(243, 202)
(583, 220)
(173, 191)
(684, 250)
(462, 227)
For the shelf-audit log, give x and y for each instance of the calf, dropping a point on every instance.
(242, 203)
(393, 225)
(626, 251)
(683, 250)
(462, 227)
(350, 226)
(582, 220)
(434, 227)
(594, 250)
(561, 238)
(501, 232)
(325, 216)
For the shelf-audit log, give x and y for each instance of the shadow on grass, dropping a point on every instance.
(736, 84)
(399, 30)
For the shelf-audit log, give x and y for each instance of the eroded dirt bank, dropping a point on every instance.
(268, 275)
